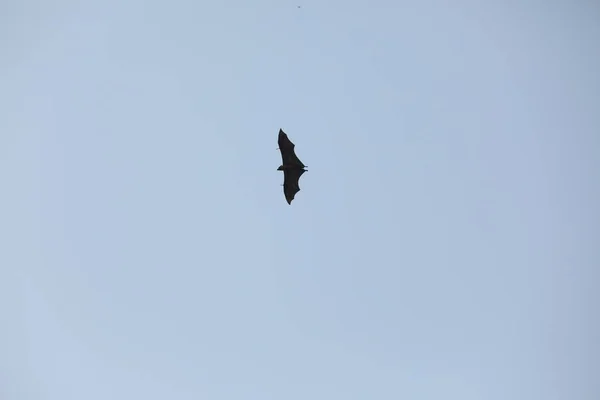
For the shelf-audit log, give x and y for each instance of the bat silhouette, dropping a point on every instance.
(291, 166)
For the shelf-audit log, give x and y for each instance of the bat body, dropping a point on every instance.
(291, 166)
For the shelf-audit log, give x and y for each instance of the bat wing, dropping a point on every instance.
(291, 184)
(288, 155)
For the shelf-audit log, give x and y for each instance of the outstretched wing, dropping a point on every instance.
(291, 184)
(288, 155)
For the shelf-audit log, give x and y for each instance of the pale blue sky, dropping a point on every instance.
(444, 244)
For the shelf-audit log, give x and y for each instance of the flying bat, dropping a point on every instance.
(291, 166)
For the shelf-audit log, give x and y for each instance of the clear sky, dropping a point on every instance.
(444, 244)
